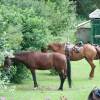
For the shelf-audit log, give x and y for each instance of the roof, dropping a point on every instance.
(95, 14)
(85, 24)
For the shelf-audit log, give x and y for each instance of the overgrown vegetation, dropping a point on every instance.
(31, 24)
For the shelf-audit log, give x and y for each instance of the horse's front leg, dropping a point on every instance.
(34, 78)
(62, 79)
(90, 61)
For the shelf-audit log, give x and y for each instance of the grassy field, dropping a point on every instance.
(81, 85)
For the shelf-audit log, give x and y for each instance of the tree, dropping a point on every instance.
(32, 24)
(85, 7)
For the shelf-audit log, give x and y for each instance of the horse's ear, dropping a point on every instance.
(10, 54)
(48, 45)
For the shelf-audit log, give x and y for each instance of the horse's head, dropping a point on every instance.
(51, 47)
(7, 63)
(94, 94)
(55, 46)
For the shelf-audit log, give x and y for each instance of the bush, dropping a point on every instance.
(32, 24)
(36, 33)
(19, 73)
(4, 81)
(10, 36)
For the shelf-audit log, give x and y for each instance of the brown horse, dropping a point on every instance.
(42, 61)
(87, 51)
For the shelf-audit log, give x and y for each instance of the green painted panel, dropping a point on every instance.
(95, 31)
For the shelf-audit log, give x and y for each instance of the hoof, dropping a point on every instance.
(90, 78)
(35, 88)
(60, 89)
(70, 86)
(63, 98)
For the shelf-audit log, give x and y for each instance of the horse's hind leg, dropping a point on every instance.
(90, 61)
(34, 78)
(62, 79)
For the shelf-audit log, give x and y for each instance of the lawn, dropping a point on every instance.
(48, 84)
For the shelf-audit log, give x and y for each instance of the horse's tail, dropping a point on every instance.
(98, 53)
(99, 60)
(69, 72)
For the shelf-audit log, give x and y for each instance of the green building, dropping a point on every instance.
(95, 26)
(89, 31)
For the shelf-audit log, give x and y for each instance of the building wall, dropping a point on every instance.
(83, 34)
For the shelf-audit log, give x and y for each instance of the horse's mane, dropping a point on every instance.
(23, 53)
(57, 44)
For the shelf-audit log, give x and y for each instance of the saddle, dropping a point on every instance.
(77, 48)
(69, 48)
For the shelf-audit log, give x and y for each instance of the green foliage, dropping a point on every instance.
(36, 33)
(85, 7)
(19, 72)
(97, 3)
(4, 81)
(10, 34)
(63, 18)
(32, 24)
(10, 31)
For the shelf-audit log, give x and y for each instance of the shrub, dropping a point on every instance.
(4, 81)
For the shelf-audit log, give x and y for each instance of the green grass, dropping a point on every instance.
(81, 85)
